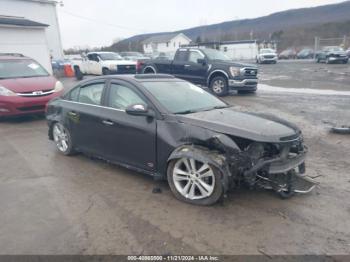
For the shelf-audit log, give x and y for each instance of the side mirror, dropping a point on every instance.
(201, 61)
(139, 110)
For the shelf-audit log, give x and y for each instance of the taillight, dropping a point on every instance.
(138, 65)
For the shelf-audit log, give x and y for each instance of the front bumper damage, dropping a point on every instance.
(280, 171)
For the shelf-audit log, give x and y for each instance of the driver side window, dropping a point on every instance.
(194, 56)
(120, 97)
(93, 57)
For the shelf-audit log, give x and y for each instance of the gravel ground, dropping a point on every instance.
(53, 204)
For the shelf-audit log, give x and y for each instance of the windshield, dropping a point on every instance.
(183, 97)
(334, 48)
(110, 56)
(136, 54)
(267, 51)
(213, 54)
(21, 68)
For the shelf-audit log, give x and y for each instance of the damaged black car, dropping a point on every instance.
(174, 130)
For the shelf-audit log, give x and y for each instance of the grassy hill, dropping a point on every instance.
(296, 27)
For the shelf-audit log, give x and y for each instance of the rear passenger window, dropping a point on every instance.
(181, 56)
(91, 94)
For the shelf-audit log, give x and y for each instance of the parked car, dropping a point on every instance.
(288, 54)
(348, 52)
(133, 56)
(266, 55)
(332, 54)
(103, 63)
(306, 53)
(206, 67)
(25, 86)
(172, 129)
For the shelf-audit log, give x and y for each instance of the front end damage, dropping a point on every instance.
(276, 166)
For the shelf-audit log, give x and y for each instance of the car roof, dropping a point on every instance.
(9, 56)
(139, 78)
(100, 52)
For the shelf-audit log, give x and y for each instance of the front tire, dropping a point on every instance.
(194, 182)
(62, 139)
(219, 86)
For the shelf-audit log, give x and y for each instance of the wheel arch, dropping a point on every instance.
(217, 73)
(203, 154)
(149, 67)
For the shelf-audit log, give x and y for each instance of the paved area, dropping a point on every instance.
(51, 204)
(306, 74)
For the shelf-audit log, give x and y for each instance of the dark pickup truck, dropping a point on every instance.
(206, 67)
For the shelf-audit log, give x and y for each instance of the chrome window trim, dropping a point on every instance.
(120, 110)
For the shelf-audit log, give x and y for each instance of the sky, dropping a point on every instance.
(97, 23)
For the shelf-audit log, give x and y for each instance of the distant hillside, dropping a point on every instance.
(296, 27)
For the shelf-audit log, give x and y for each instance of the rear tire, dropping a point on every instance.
(219, 86)
(149, 70)
(106, 71)
(182, 185)
(78, 74)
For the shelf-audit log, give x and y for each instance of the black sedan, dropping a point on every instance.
(172, 129)
(332, 54)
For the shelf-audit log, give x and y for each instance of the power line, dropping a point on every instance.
(102, 22)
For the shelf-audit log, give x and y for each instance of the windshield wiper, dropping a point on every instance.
(216, 107)
(185, 112)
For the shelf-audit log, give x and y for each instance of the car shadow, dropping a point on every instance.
(22, 119)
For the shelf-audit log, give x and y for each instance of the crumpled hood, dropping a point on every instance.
(257, 127)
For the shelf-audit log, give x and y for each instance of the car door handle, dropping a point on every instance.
(108, 122)
(187, 65)
(72, 113)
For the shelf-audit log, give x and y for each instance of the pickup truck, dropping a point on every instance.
(206, 67)
(103, 63)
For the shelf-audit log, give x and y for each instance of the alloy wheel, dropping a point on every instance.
(60, 137)
(218, 86)
(193, 179)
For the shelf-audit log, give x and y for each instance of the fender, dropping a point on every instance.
(215, 71)
(206, 156)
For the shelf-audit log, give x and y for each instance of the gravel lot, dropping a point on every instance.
(51, 204)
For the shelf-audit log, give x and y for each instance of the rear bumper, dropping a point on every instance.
(245, 84)
(17, 105)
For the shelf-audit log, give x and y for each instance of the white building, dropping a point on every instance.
(33, 27)
(165, 43)
(240, 50)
